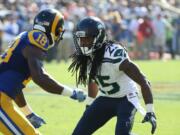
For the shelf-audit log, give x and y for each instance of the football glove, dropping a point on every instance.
(150, 117)
(78, 95)
(35, 120)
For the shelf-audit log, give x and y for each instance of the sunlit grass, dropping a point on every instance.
(62, 113)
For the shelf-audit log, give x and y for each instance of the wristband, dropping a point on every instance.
(67, 91)
(149, 108)
(26, 110)
(89, 100)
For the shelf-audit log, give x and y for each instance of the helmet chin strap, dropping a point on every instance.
(53, 41)
(86, 51)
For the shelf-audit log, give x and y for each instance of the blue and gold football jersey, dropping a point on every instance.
(14, 70)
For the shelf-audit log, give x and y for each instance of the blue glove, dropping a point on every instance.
(150, 117)
(35, 120)
(78, 95)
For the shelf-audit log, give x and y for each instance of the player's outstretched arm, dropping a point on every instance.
(33, 118)
(135, 74)
(34, 58)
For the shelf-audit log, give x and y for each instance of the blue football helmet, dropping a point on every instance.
(89, 36)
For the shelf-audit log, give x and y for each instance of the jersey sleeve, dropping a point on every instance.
(38, 39)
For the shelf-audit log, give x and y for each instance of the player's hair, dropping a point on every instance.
(81, 62)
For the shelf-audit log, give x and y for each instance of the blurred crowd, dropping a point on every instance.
(148, 29)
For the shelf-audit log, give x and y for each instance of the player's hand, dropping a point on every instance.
(78, 95)
(150, 117)
(35, 120)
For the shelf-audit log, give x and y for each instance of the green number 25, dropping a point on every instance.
(101, 80)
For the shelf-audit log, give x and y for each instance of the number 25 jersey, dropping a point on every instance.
(14, 70)
(111, 81)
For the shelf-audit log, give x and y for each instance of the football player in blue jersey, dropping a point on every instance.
(22, 62)
(105, 66)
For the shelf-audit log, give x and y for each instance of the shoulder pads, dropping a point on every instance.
(38, 39)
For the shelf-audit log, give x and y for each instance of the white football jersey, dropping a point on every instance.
(111, 81)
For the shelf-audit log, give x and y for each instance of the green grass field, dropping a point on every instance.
(62, 113)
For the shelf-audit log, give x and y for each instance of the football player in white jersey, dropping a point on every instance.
(105, 66)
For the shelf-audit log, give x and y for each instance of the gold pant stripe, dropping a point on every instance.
(4, 129)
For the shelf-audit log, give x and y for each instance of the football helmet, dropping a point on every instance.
(51, 22)
(89, 36)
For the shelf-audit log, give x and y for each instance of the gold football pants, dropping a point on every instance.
(12, 122)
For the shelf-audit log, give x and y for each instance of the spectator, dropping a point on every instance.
(66, 48)
(176, 37)
(160, 35)
(11, 28)
(146, 30)
(123, 28)
(169, 35)
(116, 26)
(133, 28)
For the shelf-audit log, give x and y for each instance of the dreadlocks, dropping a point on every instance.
(79, 66)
